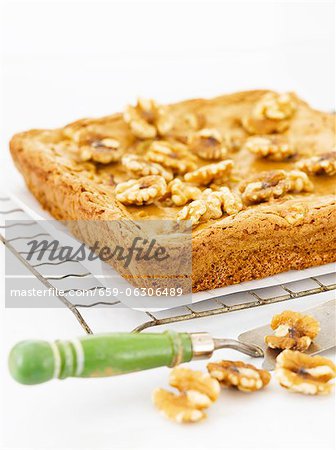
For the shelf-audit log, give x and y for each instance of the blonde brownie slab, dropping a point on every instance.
(292, 231)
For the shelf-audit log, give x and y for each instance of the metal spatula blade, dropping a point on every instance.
(325, 340)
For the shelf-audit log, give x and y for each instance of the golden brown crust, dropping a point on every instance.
(293, 232)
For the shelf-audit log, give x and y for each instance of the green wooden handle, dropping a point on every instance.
(34, 362)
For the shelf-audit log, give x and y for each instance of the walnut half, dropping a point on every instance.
(239, 375)
(201, 389)
(305, 374)
(324, 164)
(176, 407)
(292, 330)
(172, 155)
(147, 119)
(273, 147)
(274, 184)
(271, 114)
(182, 193)
(197, 392)
(142, 191)
(139, 167)
(211, 205)
(207, 174)
(208, 144)
(103, 151)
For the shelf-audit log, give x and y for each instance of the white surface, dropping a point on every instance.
(63, 61)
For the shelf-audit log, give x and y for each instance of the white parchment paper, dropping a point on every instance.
(30, 205)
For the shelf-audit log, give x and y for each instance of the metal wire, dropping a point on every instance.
(238, 307)
(174, 314)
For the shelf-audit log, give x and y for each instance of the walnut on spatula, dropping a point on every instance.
(292, 330)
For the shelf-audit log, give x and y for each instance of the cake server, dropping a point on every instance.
(325, 340)
(34, 362)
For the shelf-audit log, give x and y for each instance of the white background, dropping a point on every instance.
(62, 61)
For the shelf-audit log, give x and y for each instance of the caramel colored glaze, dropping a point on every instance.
(310, 131)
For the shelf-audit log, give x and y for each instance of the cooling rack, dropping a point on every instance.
(73, 276)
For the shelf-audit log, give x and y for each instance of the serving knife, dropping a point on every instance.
(103, 355)
(34, 362)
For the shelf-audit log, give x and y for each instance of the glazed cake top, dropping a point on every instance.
(200, 160)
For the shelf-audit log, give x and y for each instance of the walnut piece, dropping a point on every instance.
(324, 164)
(273, 147)
(267, 186)
(193, 212)
(305, 374)
(200, 388)
(292, 330)
(239, 375)
(207, 174)
(221, 201)
(182, 193)
(142, 191)
(140, 167)
(208, 144)
(211, 205)
(103, 151)
(197, 392)
(271, 114)
(177, 407)
(172, 155)
(231, 202)
(147, 119)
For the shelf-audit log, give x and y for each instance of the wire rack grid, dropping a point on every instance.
(215, 306)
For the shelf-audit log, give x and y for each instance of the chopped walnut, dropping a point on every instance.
(182, 193)
(271, 114)
(305, 374)
(200, 388)
(273, 147)
(143, 191)
(206, 174)
(292, 330)
(172, 155)
(177, 407)
(211, 205)
(138, 166)
(267, 186)
(242, 376)
(208, 144)
(103, 151)
(147, 119)
(324, 164)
